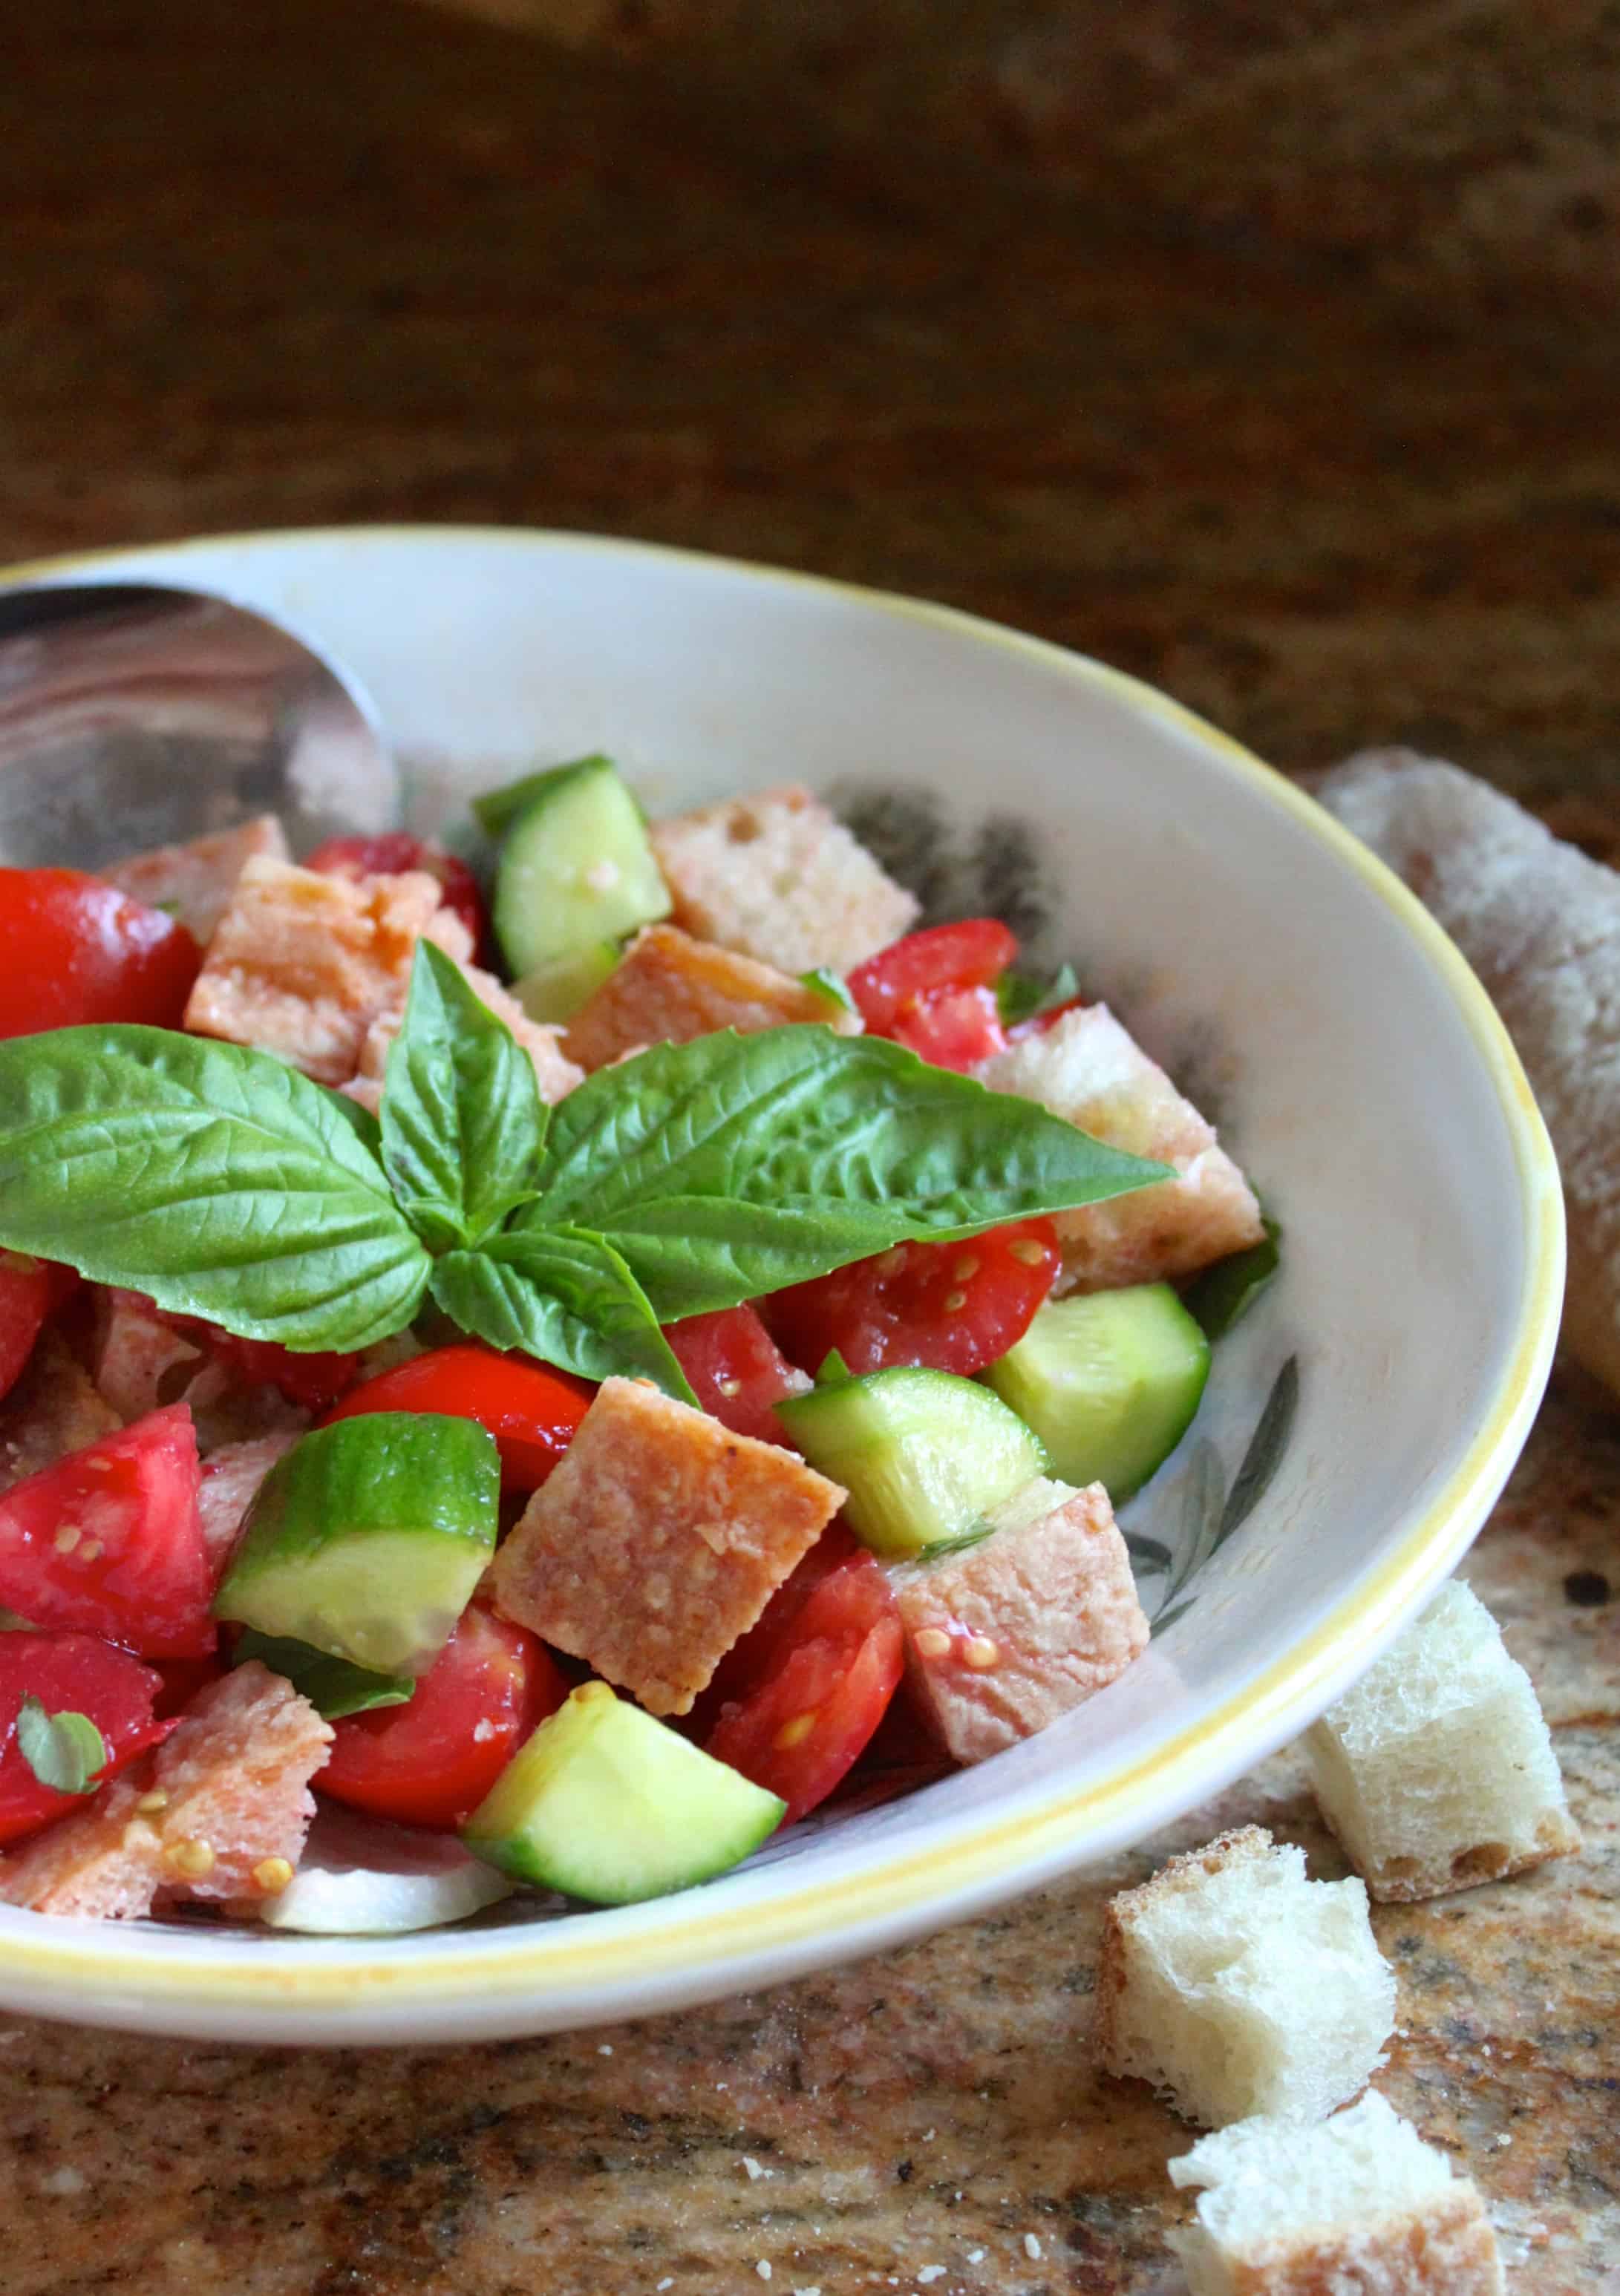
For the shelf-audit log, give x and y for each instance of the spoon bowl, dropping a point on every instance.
(135, 714)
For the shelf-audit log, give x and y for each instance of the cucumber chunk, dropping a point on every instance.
(925, 1457)
(498, 808)
(1109, 1381)
(604, 1803)
(368, 1539)
(576, 868)
(554, 993)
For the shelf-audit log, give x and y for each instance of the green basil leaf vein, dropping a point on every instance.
(218, 1180)
(732, 1166)
(65, 1750)
(462, 1123)
(334, 1686)
(564, 1296)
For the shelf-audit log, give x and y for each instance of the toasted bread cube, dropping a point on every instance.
(779, 878)
(138, 1360)
(300, 964)
(1359, 2204)
(1006, 1636)
(194, 881)
(1237, 1987)
(220, 1812)
(554, 1072)
(1436, 1772)
(54, 1409)
(1087, 1068)
(657, 1540)
(231, 1478)
(668, 988)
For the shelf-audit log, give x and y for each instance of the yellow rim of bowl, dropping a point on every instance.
(998, 1854)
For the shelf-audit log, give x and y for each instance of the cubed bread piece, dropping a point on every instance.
(1086, 1068)
(657, 1540)
(779, 878)
(301, 963)
(1436, 1771)
(1237, 1987)
(220, 1812)
(194, 881)
(668, 988)
(138, 1360)
(554, 1072)
(54, 1409)
(1358, 2206)
(1005, 1637)
(231, 1478)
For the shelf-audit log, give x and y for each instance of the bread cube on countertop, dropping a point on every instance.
(1357, 2206)
(1436, 1772)
(1087, 1068)
(1237, 1987)
(1006, 1636)
(779, 877)
(656, 1541)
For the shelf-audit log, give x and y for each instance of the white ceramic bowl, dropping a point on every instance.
(1359, 1074)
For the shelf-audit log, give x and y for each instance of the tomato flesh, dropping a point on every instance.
(73, 949)
(532, 1412)
(28, 1292)
(75, 1674)
(110, 1541)
(828, 1675)
(432, 1761)
(736, 1370)
(934, 991)
(395, 851)
(953, 1307)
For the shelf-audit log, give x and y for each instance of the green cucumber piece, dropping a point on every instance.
(1109, 1381)
(925, 1457)
(496, 809)
(554, 993)
(368, 1539)
(576, 869)
(604, 1803)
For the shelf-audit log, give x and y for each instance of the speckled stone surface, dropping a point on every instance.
(1267, 352)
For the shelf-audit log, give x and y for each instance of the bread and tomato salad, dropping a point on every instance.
(584, 1362)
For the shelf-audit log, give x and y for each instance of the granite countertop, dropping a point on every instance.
(1269, 354)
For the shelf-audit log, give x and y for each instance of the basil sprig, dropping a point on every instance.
(65, 1751)
(692, 1177)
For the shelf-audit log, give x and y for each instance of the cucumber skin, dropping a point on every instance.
(496, 809)
(593, 1745)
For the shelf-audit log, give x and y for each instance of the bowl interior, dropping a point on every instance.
(1292, 989)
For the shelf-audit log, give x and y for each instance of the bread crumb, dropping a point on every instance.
(764, 2270)
(1031, 2248)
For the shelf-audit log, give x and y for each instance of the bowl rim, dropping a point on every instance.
(519, 1980)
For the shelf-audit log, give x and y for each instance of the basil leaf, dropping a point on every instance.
(1224, 1294)
(463, 1122)
(733, 1166)
(834, 1371)
(217, 1180)
(64, 1750)
(334, 1686)
(564, 1296)
(828, 984)
(1019, 997)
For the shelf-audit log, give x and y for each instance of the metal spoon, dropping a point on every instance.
(135, 714)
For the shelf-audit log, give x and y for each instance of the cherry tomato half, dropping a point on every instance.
(28, 1291)
(432, 1761)
(531, 1411)
(73, 949)
(396, 852)
(953, 1307)
(736, 1369)
(76, 1674)
(827, 1678)
(933, 991)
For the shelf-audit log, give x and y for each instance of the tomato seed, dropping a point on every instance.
(931, 1642)
(980, 1653)
(966, 1269)
(1026, 1251)
(795, 1733)
(955, 1301)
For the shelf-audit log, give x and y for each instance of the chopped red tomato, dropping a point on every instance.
(432, 1761)
(934, 992)
(73, 949)
(28, 1291)
(396, 852)
(955, 1306)
(826, 1678)
(70, 1674)
(532, 1411)
(110, 1542)
(1038, 1023)
(314, 1380)
(736, 1369)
